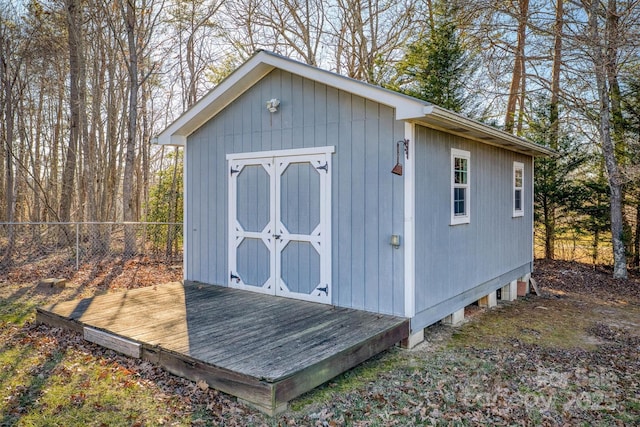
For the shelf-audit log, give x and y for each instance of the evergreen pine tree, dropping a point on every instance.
(435, 66)
(556, 187)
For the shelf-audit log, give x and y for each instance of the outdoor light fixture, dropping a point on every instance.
(395, 241)
(272, 105)
(397, 169)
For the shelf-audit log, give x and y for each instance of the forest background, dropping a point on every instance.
(86, 84)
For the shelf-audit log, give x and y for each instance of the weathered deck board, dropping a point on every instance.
(253, 339)
(264, 350)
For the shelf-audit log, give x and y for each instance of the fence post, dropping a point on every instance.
(77, 246)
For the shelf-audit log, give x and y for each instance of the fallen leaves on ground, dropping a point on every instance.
(585, 279)
(522, 379)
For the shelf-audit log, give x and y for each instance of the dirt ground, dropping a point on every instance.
(567, 357)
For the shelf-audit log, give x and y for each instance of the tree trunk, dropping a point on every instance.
(617, 119)
(52, 183)
(554, 110)
(7, 87)
(146, 147)
(549, 219)
(636, 242)
(36, 162)
(595, 245)
(111, 157)
(129, 163)
(192, 93)
(611, 163)
(554, 116)
(69, 170)
(515, 91)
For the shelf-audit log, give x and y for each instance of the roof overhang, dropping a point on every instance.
(441, 119)
(406, 108)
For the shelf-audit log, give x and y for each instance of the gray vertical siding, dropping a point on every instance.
(453, 259)
(367, 200)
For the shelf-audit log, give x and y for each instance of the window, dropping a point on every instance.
(518, 177)
(460, 186)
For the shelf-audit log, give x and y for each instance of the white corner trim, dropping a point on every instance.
(460, 219)
(185, 218)
(531, 202)
(409, 223)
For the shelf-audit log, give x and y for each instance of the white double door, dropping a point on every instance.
(280, 223)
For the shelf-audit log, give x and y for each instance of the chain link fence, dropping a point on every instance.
(581, 247)
(52, 248)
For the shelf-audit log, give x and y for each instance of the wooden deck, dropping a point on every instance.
(264, 350)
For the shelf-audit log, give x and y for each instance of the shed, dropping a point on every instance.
(289, 191)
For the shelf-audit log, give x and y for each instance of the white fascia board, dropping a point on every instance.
(179, 140)
(218, 98)
(405, 106)
(259, 66)
(508, 140)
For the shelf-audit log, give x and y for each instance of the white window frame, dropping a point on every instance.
(518, 166)
(466, 218)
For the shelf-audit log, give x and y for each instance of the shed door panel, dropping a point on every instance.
(302, 224)
(280, 210)
(251, 237)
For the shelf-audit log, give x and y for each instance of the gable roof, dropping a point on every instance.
(406, 108)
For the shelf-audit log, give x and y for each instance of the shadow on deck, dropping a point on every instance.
(264, 350)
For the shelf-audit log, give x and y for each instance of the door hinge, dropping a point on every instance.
(325, 289)
(324, 167)
(234, 277)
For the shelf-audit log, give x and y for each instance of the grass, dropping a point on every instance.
(353, 379)
(74, 388)
(537, 361)
(532, 321)
(82, 391)
(51, 378)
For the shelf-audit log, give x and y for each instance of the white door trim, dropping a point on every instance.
(329, 149)
(275, 163)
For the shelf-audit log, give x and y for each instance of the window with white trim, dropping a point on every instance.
(518, 178)
(460, 160)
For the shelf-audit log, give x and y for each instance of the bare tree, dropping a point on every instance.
(129, 14)
(603, 60)
(76, 79)
(549, 207)
(368, 36)
(300, 25)
(517, 88)
(139, 23)
(195, 25)
(10, 66)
